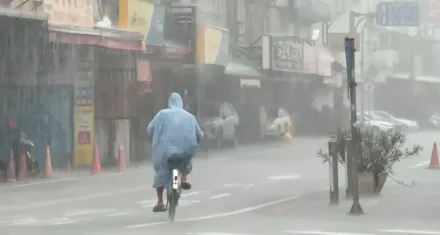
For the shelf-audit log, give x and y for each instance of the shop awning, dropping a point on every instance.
(23, 14)
(241, 70)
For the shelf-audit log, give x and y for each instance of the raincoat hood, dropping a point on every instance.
(175, 101)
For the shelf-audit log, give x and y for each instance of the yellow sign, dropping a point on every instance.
(135, 15)
(84, 134)
(76, 13)
(212, 45)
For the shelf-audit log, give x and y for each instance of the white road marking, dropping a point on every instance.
(27, 221)
(147, 225)
(219, 215)
(21, 185)
(404, 231)
(117, 214)
(187, 202)
(181, 203)
(420, 164)
(284, 177)
(249, 186)
(233, 185)
(63, 221)
(191, 194)
(215, 234)
(89, 212)
(220, 196)
(148, 201)
(70, 200)
(325, 233)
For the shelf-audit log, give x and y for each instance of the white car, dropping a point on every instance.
(374, 124)
(409, 125)
(434, 121)
(219, 122)
(272, 125)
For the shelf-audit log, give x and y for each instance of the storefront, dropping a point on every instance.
(296, 69)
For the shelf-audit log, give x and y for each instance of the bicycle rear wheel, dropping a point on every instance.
(172, 204)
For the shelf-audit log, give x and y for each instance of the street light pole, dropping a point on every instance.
(356, 208)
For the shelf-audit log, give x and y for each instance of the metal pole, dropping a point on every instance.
(333, 167)
(350, 153)
(356, 208)
(363, 74)
(348, 170)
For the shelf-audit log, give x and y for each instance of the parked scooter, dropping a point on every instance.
(26, 145)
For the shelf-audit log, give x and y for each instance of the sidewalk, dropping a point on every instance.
(396, 204)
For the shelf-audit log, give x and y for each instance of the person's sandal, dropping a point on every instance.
(185, 185)
(158, 208)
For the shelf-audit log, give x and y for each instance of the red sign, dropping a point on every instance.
(143, 76)
(84, 137)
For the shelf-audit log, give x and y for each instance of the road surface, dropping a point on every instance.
(276, 189)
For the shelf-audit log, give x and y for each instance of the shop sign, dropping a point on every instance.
(72, 13)
(283, 54)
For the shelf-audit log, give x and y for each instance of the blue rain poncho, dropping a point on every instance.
(172, 131)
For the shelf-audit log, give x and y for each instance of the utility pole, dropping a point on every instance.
(349, 160)
(356, 208)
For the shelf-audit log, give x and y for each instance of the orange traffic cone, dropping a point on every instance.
(48, 164)
(11, 168)
(23, 170)
(96, 164)
(434, 158)
(121, 158)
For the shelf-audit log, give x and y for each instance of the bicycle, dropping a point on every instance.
(174, 190)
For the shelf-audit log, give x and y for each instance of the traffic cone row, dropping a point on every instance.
(96, 163)
(48, 171)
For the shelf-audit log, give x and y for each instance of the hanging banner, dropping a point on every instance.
(145, 18)
(212, 45)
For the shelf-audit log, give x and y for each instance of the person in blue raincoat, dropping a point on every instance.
(173, 131)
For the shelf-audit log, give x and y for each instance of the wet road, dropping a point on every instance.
(277, 189)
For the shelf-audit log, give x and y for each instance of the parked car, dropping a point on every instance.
(405, 124)
(374, 124)
(274, 123)
(434, 121)
(219, 122)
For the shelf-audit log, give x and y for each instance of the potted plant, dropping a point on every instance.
(379, 151)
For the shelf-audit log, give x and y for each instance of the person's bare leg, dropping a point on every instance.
(184, 178)
(159, 192)
(185, 184)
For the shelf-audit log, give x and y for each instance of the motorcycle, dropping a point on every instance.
(32, 163)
